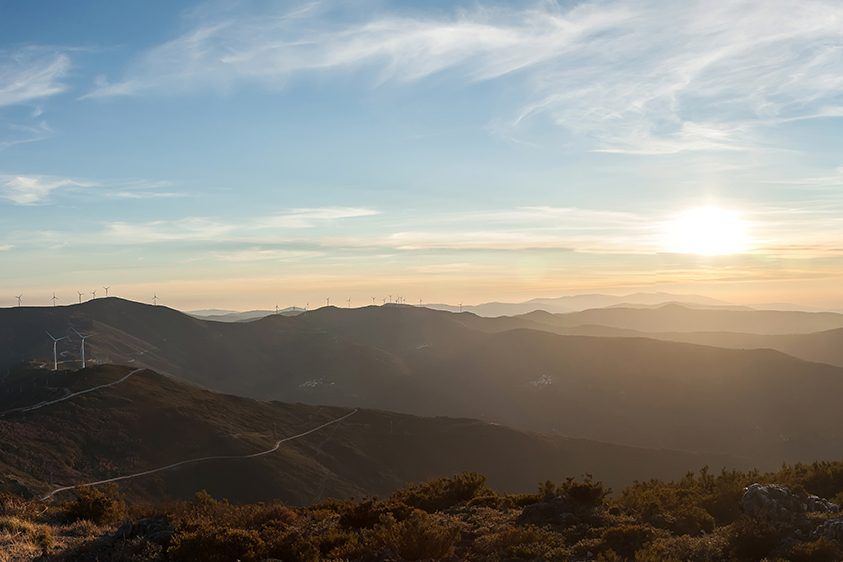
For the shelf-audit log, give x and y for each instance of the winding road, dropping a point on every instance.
(201, 459)
(68, 397)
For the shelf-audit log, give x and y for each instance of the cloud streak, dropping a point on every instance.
(654, 77)
(34, 190)
(31, 73)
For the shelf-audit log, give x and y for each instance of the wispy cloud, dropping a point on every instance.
(34, 190)
(652, 77)
(187, 229)
(260, 254)
(252, 230)
(32, 73)
(315, 216)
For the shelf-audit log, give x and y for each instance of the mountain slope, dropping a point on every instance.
(150, 420)
(634, 391)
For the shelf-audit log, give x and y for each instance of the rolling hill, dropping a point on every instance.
(635, 391)
(150, 420)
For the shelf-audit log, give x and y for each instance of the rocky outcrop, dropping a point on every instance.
(831, 530)
(778, 503)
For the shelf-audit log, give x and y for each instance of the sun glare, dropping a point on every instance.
(707, 231)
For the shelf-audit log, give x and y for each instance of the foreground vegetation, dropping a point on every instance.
(697, 518)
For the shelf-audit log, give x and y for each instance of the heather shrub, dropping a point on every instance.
(626, 539)
(751, 539)
(821, 550)
(443, 493)
(212, 543)
(100, 506)
(420, 536)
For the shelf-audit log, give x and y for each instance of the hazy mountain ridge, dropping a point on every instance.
(575, 303)
(636, 391)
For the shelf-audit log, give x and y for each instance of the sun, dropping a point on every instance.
(707, 231)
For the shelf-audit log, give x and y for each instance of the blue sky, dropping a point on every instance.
(242, 154)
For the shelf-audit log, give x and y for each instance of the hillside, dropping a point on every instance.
(150, 420)
(823, 347)
(761, 404)
(678, 318)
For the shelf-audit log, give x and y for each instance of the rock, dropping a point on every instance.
(154, 529)
(831, 529)
(775, 502)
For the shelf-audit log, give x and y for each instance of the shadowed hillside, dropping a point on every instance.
(149, 421)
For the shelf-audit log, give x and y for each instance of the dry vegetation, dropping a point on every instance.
(697, 518)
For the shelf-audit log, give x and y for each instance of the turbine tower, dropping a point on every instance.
(83, 338)
(19, 297)
(80, 296)
(155, 299)
(93, 295)
(276, 309)
(106, 290)
(460, 307)
(328, 301)
(55, 353)
(348, 302)
(54, 299)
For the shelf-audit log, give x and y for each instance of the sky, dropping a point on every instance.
(246, 154)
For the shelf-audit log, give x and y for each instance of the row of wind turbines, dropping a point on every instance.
(56, 341)
(81, 295)
(54, 298)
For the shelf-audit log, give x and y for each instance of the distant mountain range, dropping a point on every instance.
(233, 316)
(576, 303)
(150, 421)
(759, 404)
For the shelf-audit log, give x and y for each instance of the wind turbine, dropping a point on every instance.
(460, 307)
(55, 353)
(328, 301)
(54, 299)
(106, 290)
(83, 338)
(80, 296)
(19, 297)
(348, 302)
(420, 303)
(93, 295)
(373, 301)
(155, 299)
(276, 309)
(306, 306)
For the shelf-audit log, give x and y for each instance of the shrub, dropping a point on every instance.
(419, 537)
(628, 538)
(444, 493)
(100, 506)
(751, 539)
(584, 495)
(707, 548)
(211, 543)
(821, 550)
